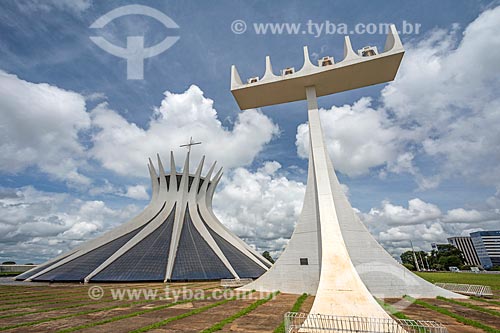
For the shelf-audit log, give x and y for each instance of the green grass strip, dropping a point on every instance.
(459, 318)
(295, 308)
(134, 314)
(20, 314)
(38, 295)
(116, 318)
(29, 304)
(470, 306)
(63, 290)
(391, 309)
(45, 303)
(81, 313)
(45, 292)
(187, 314)
(10, 273)
(31, 323)
(38, 299)
(484, 300)
(218, 326)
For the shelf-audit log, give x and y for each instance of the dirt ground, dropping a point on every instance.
(55, 307)
(418, 312)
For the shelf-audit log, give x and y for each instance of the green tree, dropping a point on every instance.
(447, 255)
(407, 258)
(409, 266)
(268, 256)
(448, 261)
(9, 263)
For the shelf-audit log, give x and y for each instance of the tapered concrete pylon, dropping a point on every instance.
(339, 283)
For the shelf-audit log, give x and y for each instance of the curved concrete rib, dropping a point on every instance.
(179, 217)
(393, 42)
(205, 201)
(349, 54)
(147, 214)
(155, 184)
(198, 223)
(235, 78)
(151, 227)
(308, 65)
(200, 227)
(173, 174)
(268, 74)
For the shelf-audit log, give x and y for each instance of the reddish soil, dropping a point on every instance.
(205, 319)
(307, 305)
(418, 312)
(463, 311)
(265, 318)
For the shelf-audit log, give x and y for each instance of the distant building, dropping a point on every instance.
(464, 244)
(487, 245)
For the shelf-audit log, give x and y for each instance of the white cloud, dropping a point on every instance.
(40, 124)
(261, 207)
(462, 215)
(417, 212)
(41, 127)
(442, 108)
(124, 147)
(137, 192)
(423, 223)
(80, 230)
(432, 232)
(447, 93)
(358, 137)
(37, 225)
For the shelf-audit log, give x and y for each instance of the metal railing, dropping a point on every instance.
(467, 289)
(234, 283)
(296, 322)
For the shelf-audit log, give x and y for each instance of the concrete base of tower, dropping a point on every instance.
(331, 246)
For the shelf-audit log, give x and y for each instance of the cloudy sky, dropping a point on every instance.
(419, 157)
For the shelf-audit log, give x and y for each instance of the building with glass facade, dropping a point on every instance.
(487, 245)
(464, 244)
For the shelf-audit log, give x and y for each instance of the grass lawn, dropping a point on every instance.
(9, 273)
(492, 280)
